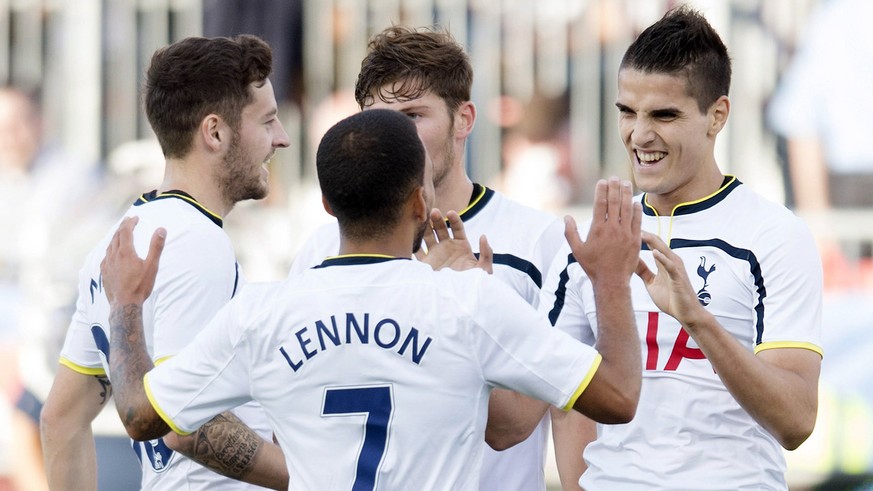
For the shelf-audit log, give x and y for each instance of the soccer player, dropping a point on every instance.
(374, 369)
(211, 105)
(426, 75)
(729, 324)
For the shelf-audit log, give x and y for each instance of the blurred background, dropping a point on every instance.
(76, 150)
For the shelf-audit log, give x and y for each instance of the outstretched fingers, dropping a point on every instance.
(486, 255)
(127, 278)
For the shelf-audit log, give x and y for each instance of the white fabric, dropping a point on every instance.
(433, 343)
(689, 433)
(197, 276)
(524, 242)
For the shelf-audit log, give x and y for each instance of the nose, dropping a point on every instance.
(642, 132)
(280, 139)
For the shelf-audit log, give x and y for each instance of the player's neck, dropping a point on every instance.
(453, 193)
(392, 246)
(193, 179)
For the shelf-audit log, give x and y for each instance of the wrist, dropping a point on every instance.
(698, 320)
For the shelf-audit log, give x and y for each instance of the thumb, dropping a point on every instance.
(644, 272)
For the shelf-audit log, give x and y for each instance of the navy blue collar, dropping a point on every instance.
(357, 259)
(481, 196)
(154, 196)
(729, 184)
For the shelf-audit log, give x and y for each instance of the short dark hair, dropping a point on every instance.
(368, 164)
(418, 60)
(197, 76)
(684, 43)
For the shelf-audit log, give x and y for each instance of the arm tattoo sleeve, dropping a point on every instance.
(128, 362)
(224, 444)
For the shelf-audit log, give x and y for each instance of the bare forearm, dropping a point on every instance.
(571, 433)
(129, 362)
(778, 387)
(70, 459)
(613, 395)
(227, 446)
(65, 429)
(512, 417)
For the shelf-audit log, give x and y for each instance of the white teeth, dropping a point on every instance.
(650, 156)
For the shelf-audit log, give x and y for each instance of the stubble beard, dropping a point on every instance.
(240, 181)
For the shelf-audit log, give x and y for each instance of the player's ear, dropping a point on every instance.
(326, 206)
(213, 131)
(465, 119)
(718, 115)
(418, 203)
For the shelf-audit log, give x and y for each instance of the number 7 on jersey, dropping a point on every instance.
(376, 403)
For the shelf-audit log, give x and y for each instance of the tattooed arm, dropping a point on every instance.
(232, 449)
(68, 447)
(223, 444)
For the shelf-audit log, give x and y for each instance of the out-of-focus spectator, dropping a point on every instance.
(40, 191)
(821, 108)
(536, 155)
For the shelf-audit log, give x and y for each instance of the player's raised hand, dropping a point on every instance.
(670, 287)
(612, 249)
(127, 279)
(451, 249)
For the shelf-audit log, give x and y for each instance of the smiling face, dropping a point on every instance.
(244, 173)
(670, 142)
(434, 125)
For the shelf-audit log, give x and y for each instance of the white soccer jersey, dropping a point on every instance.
(755, 267)
(374, 371)
(524, 241)
(198, 274)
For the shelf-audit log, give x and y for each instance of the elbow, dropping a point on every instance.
(794, 437)
(506, 438)
(612, 407)
(793, 441)
(792, 432)
(144, 425)
(47, 422)
(142, 434)
(55, 423)
(622, 411)
(623, 403)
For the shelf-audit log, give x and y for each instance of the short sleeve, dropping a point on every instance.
(207, 377)
(520, 351)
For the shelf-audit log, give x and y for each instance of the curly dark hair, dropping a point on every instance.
(197, 76)
(414, 61)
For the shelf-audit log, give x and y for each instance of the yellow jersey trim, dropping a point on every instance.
(188, 199)
(474, 201)
(80, 369)
(161, 413)
(584, 384)
(730, 178)
(788, 344)
(163, 359)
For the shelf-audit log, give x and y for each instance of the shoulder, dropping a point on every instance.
(523, 214)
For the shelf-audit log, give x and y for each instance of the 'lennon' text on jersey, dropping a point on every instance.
(386, 333)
